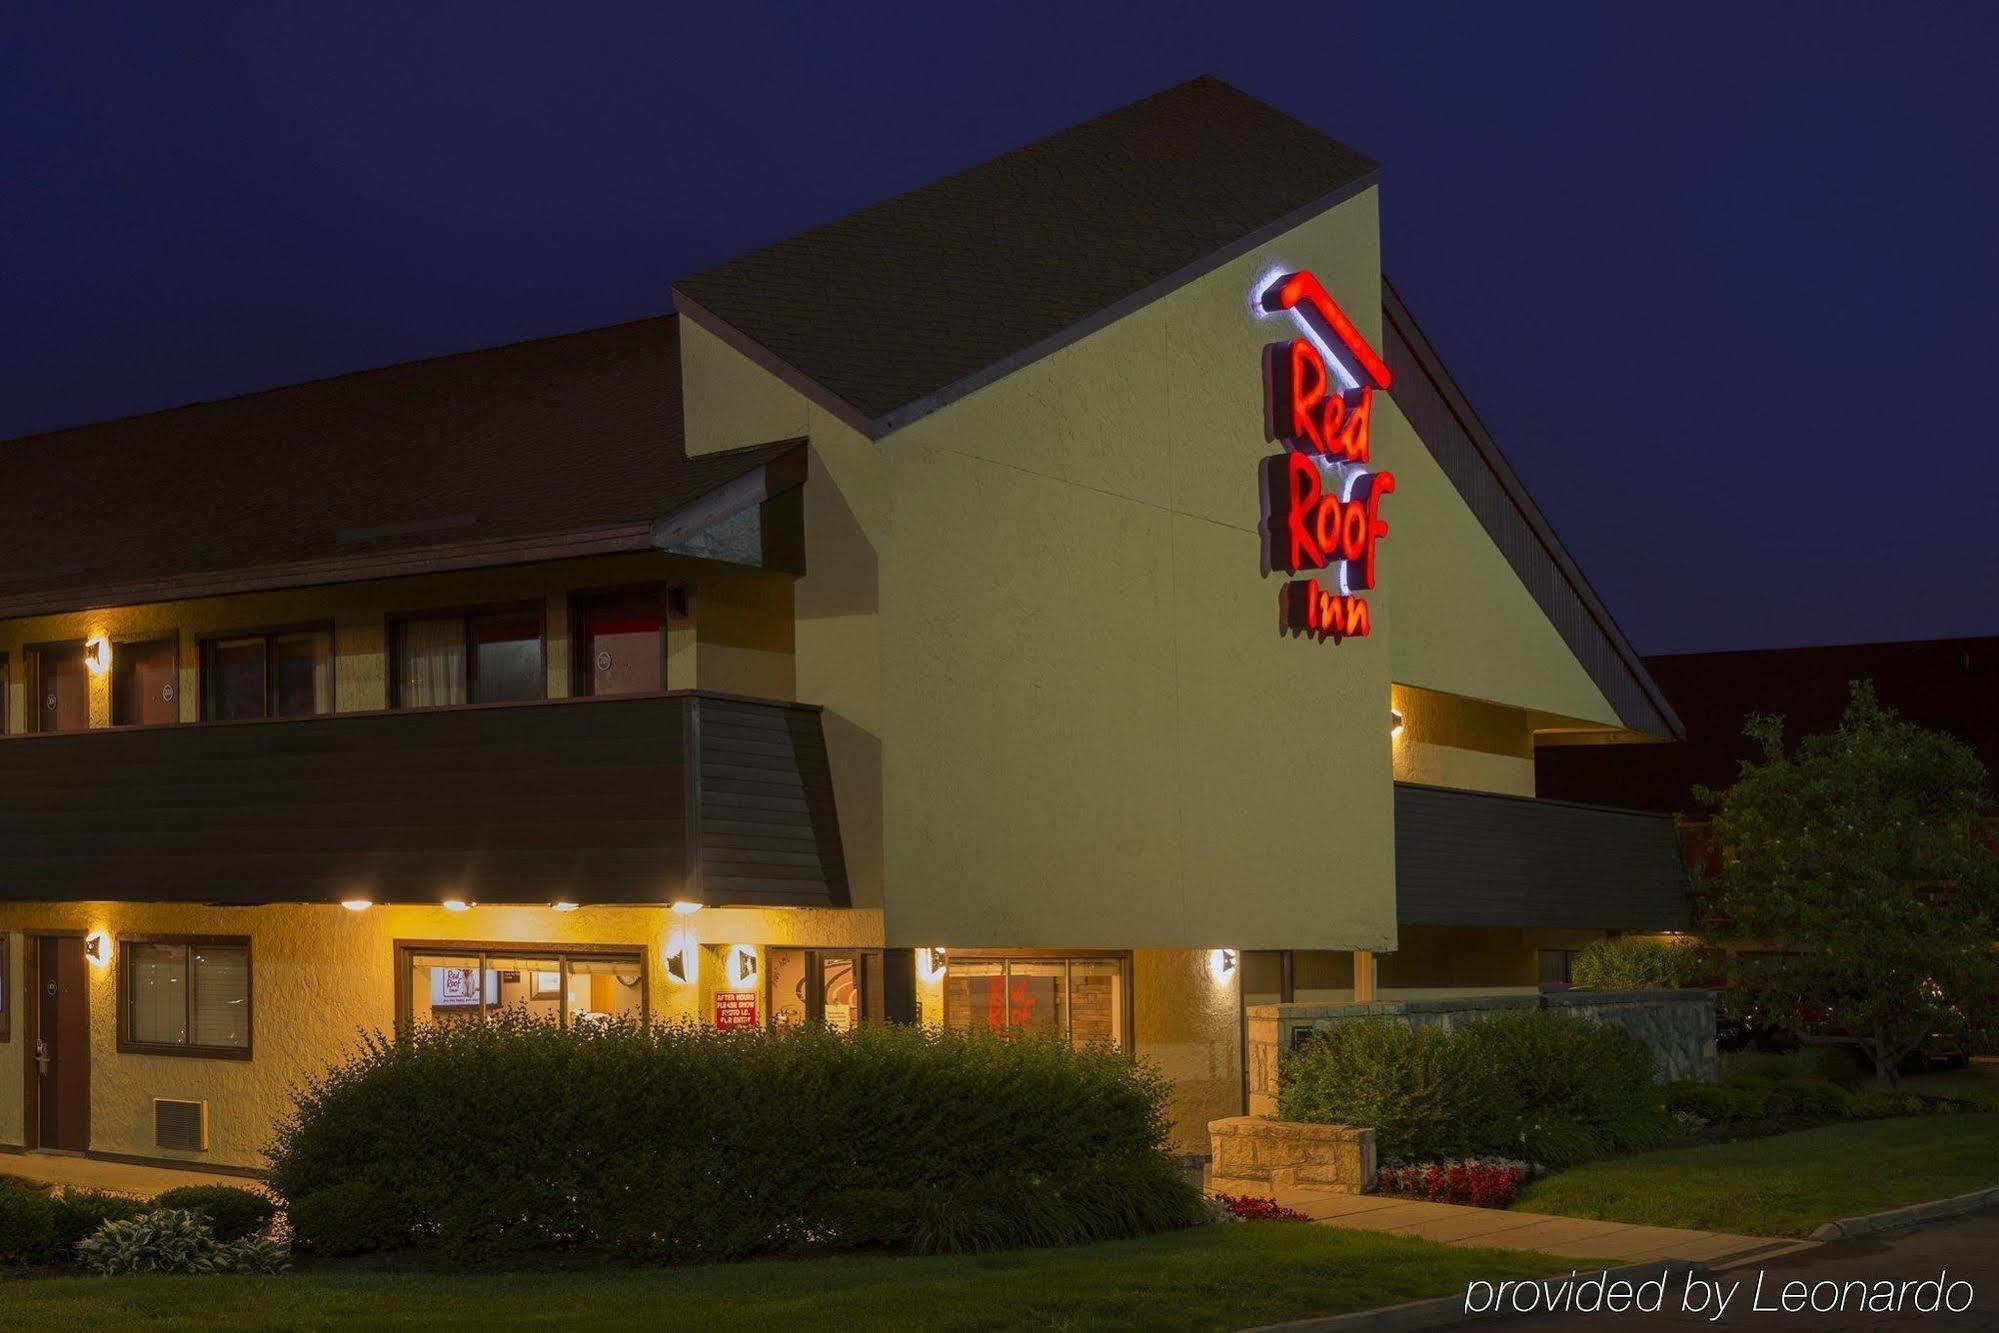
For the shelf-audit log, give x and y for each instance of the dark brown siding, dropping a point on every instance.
(1466, 858)
(767, 831)
(585, 800)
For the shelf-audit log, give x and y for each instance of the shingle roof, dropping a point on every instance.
(906, 304)
(566, 435)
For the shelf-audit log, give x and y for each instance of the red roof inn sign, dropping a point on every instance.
(1321, 496)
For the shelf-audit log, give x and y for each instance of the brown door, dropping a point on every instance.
(59, 1089)
(142, 684)
(62, 689)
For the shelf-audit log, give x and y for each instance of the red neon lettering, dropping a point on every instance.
(1303, 607)
(1303, 497)
(1377, 526)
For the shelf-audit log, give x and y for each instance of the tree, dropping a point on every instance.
(1859, 862)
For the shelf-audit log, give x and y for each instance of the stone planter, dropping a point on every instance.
(1252, 1155)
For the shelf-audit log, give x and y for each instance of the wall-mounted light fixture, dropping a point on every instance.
(97, 655)
(1394, 722)
(97, 947)
(356, 904)
(683, 956)
(684, 908)
(562, 907)
(1222, 963)
(742, 966)
(929, 964)
(457, 905)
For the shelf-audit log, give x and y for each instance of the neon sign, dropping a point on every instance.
(1321, 496)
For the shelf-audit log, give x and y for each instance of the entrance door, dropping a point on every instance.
(59, 1082)
(62, 689)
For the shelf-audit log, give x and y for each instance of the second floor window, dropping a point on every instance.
(279, 673)
(492, 655)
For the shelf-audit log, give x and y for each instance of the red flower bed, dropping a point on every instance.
(1482, 1183)
(1252, 1209)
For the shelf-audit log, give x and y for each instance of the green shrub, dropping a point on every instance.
(672, 1142)
(27, 1225)
(1529, 1084)
(1882, 1105)
(1558, 1141)
(1422, 1090)
(1638, 962)
(1841, 1065)
(1714, 1101)
(347, 1218)
(174, 1240)
(38, 1227)
(1814, 1096)
(232, 1213)
(1642, 1129)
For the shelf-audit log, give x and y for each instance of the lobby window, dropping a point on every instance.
(58, 687)
(620, 638)
(486, 656)
(449, 983)
(274, 673)
(1080, 1000)
(145, 683)
(181, 996)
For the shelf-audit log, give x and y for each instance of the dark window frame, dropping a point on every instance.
(405, 1016)
(674, 599)
(1127, 1048)
(31, 671)
(392, 646)
(6, 948)
(170, 637)
(6, 702)
(205, 645)
(187, 1049)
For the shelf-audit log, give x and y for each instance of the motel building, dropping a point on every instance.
(1072, 597)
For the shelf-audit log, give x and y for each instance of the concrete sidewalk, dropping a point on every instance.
(113, 1177)
(1499, 1229)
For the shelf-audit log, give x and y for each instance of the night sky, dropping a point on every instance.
(1721, 280)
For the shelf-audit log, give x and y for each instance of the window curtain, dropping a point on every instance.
(158, 1008)
(433, 663)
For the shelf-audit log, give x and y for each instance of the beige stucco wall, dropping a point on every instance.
(1187, 1023)
(320, 975)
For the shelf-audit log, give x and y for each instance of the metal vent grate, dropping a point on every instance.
(182, 1125)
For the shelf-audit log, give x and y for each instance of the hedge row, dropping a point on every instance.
(677, 1143)
(1552, 1091)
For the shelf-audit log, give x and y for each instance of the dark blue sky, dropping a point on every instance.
(1721, 279)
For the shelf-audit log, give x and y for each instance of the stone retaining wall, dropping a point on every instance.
(1270, 1155)
(1678, 1026)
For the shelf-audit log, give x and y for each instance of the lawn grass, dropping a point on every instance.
(1215, 1277)
(1786, 1184)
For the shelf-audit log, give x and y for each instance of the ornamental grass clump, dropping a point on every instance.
(682, 1144)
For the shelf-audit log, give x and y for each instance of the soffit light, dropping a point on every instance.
(457, 905)
(356, 904)
(685, 908)
(562, 907)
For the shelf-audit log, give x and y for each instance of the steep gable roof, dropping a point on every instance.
(889, 313)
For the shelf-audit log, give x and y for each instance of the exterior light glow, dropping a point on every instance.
(1221, 963)
(742, 967)
(356, 904)
(684, 908)
(1394, 722)
(562, 907)
(456, 905)
(97, 947)
(930, 964)
(97, 655)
